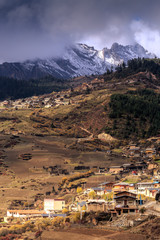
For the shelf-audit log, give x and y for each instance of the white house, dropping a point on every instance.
(54, 205)
(151, 192)
(24, 213)
(142, 186)
(98, 190)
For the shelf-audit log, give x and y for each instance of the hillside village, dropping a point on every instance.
(117, 188)
(35, 102)
(135, 187)
(56, 99)
(78, 87)
(128, 197)
(79, 120)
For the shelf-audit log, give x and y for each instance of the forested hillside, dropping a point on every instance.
(14, 89)
(135, 114)
(134, 66)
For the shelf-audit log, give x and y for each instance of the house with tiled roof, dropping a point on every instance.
(125, 202)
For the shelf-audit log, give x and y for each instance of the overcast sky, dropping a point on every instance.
(42, 28)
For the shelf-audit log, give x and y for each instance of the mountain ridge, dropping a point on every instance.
(77, 60)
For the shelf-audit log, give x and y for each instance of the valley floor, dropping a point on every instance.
(90, 234)
(22, 179)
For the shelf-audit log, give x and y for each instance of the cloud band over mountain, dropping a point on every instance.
(31, 28)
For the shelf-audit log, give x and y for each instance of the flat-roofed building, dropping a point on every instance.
(98, 190)
(54, 204)
(151, 192)
(142, 186)
(24, 213)
(96, 205)
(115, 169)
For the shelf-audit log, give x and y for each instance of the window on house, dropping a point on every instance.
(132, 210)
(125, 210)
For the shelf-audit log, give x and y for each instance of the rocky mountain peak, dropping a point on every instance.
(77, 60)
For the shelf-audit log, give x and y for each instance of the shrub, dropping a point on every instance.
(9, 237)
(142, 210)
(79, 189)
(76, 217)
(104, 196)
(4, 231)
(57, 221)
(84, 208)
(28, 225)
(17, 229)
(92, 194)
(64, 211)
(43, 223)
(109, 196)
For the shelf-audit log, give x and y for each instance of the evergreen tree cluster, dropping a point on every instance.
(134, 66)
(13, 89)
(137, 114)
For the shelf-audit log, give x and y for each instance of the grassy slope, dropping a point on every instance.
(90, 113)
(85, 117)
(90, 116)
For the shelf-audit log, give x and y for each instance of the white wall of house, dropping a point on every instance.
(15, 214)
(48, 204)
(129, 202)
(142, 186)
(100, 193)
(54, 204)
(149, 193)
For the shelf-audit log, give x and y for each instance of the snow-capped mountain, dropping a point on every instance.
(77, 60)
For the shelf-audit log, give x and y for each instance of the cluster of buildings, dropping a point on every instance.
(114, 197)
(52, 208)
(135, 151)
(123, 202)
(126, 197)
(142, 161)
(43, 101)
(134, 168)
(53, 99)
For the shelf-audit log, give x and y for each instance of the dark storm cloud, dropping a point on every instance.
(41, 28)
